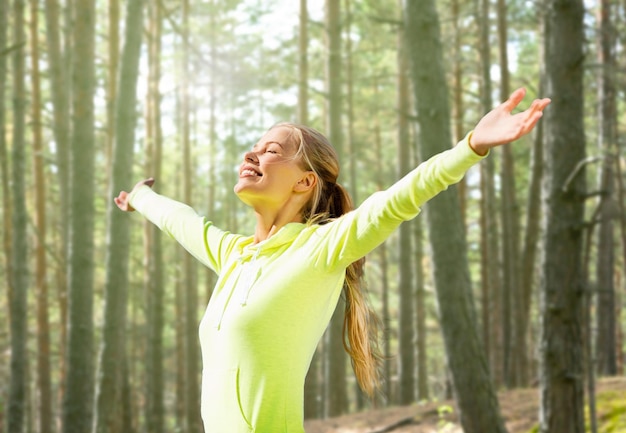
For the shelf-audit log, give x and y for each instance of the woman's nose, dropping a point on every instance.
(251, 157)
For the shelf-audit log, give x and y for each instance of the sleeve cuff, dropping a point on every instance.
(468, 139)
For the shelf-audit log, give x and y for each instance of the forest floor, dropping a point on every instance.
(519, 407)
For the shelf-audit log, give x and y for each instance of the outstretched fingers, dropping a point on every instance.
(514, 100)
(534, 113)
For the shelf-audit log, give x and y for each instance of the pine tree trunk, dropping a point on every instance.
(311, 383)
(154, 283)
(303, 65)
(336, 396)
(18, 297)
(384, 274)
(406, 289)
(490, 264)
(457, 96)
(108, 392)
(513, 339)
(78, 400)
(476, 397)
(43, 329)
(111, 89)
(561, 372)
(531, 241)
(350, 143)
(423, 393)
(60, 92)
(192, 349)
(606, 324)
(4, 189)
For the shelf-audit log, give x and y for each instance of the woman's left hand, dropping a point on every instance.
(499, 126)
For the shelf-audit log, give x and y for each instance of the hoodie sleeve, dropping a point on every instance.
(199, 237)
(356, 233)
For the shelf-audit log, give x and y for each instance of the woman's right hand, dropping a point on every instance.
(122, 199)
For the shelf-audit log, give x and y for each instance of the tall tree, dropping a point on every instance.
(528, 268)
(303, 64)
(112, 354)
(382, 249)
(476, 397)
(605, 260)
(154, 281)
(78, 400)
(192, 350)
(423, 391)
(510, 225)
(336, 397)
(44, 385)
(457, 93)
(60, 92)
(406, 334)
(489, 258)
(517, 286)
(350, 141)
(561, 292)
(530, 246)
(18, 298)
(111, 88)
(311, 385)
(4, 177)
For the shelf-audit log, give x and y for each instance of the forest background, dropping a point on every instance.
(515, 278)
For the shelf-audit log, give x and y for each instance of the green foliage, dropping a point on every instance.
(611, 412)
(443, 412)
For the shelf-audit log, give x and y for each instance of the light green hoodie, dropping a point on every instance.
(274, 299)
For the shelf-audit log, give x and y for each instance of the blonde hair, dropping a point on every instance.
(329, 201)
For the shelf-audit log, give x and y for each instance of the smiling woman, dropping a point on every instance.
(277, 289)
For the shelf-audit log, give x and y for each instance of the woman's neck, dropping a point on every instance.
(269, 224)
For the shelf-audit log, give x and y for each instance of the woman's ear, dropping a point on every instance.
(306, 183)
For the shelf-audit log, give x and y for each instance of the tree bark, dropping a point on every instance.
(491, 303)
(406, 287)
(108, 392)
(303, 65)
(111, 89)
(60, 92)
(528, 270)
(43, 329)
(154, 282)
(311, 383)
(606, 324)
(336, 397)
(17, 403)
(384, 277)
(350, 141)
(476, 398)
(561, 355)
(78, 400)
(5, 188)
(513, 338)
(457, 96)
(193, 419)
(423, 393)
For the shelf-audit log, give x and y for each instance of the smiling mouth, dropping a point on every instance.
(249, 172)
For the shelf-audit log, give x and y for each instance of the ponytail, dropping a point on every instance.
(360, 322)
(360, 331)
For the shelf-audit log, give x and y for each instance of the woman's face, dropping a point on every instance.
(271, 172)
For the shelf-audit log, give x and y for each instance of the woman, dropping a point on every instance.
(278, 288)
